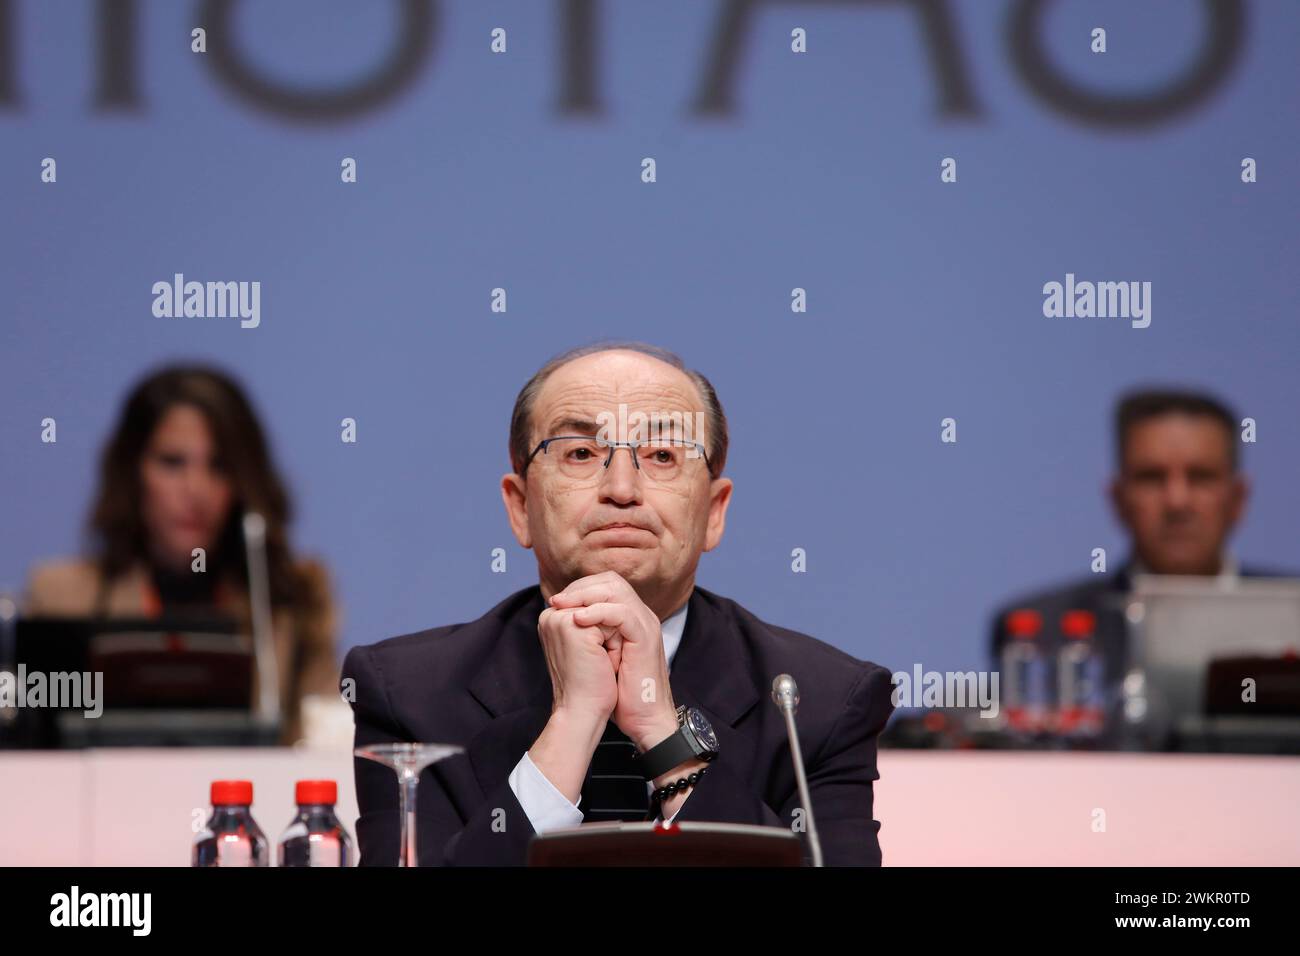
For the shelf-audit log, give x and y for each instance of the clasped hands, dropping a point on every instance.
(605, 653)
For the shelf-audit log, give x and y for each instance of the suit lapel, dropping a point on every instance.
(514, 686)
(711, 671)
(514, 674)
(712, 668)
(1122, 579)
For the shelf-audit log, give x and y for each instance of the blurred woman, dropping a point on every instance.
(185, 462)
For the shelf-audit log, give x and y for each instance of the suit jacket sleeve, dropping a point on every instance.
(494, 831)
(840, 775)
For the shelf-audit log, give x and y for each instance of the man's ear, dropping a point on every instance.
(514, 494)
(719, 499)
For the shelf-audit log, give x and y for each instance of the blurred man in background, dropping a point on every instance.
(1179, 494)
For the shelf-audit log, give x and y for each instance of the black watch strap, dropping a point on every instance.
(662, 757)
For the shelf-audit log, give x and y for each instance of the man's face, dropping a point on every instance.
(1177, 493)
(619, 519)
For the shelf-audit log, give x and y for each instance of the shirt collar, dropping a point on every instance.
(1228, 568)
(673, 626)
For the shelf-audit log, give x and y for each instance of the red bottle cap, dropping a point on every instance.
(1024, 623)
(1078, 624)
(232, 793)
(316, 791)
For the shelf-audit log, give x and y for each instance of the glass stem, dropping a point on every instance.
(409, 780)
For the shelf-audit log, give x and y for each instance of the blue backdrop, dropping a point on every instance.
(924, 298)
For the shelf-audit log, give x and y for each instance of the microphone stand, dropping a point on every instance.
(259, 595)
(785, 694)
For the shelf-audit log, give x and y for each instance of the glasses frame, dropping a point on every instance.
(614, 446)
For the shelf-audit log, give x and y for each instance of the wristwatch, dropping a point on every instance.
(694, 740)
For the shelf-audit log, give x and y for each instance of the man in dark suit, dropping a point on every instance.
(1179, 493)
(615, 688)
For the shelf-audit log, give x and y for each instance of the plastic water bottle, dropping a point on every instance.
(231, 836)
(1080, 677)
(1026, 673)
(316, 837)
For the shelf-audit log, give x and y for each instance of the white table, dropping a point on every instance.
(140, 807)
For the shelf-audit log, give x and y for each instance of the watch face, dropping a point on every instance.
(702, 729)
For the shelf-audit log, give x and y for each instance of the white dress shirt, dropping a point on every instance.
(545, 806)
(1229, 570)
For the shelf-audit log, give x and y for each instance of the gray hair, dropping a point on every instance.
(521, 417)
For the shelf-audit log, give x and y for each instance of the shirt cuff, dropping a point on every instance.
(659, 817)
(544, 805)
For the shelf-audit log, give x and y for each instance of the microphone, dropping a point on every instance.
(259, 596)
(785, 694)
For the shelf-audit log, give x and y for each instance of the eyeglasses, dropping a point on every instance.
(581, 457)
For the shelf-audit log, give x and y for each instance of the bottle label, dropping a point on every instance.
(323, 850)
(234, 849)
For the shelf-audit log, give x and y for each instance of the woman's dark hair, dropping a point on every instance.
(116, 525)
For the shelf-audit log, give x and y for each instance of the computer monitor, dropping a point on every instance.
(155, 681)
(1181, 627)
